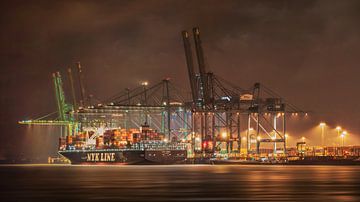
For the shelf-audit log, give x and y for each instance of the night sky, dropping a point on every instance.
(307, 51)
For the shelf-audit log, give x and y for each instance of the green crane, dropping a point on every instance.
(65, 111)
(63, 108)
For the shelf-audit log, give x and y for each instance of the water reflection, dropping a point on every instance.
(181, 183)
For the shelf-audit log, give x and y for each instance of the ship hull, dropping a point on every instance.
(115, 157)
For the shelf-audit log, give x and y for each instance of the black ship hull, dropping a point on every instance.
(118, 157)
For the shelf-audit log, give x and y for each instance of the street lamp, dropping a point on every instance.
(322, 126)
(338, 129)
(303, 139)
(342, 138)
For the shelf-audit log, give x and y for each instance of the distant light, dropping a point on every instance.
(225, 98)
(244, 138)
(303, 139)
(345, 132)
(224, 135)
(145, 83)
(273, 138)
(250, 129)
(258, 138)
(338, 128)
(165, 140)
(286, 135)
(322, 124)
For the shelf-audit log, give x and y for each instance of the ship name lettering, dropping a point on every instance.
(102, 157)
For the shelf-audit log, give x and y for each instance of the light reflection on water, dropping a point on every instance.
(180, 183)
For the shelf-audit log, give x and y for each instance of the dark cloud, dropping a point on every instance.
(308, 51)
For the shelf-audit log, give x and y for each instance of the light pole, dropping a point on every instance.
(338, 129)
(322, 126)
(342, 141)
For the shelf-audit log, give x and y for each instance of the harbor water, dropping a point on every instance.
(179, 183)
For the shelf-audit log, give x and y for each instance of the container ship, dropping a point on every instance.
(121, 146)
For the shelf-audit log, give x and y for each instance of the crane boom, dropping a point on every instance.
(60, 97)
(201, 63)
(190, 65)
(81, 84)
(72, 88)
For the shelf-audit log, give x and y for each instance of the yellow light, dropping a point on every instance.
(286, 135)
(322, 124)
(250, 129)
(273, 138)
(224, 135)
(145, 83)
(244, 138)
(345, 132)
(303, 139)
(338, 128)
(165, 140)
(258, 138)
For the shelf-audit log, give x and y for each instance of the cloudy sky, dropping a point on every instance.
(307, 51)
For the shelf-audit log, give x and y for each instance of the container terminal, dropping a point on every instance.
(217, 123)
